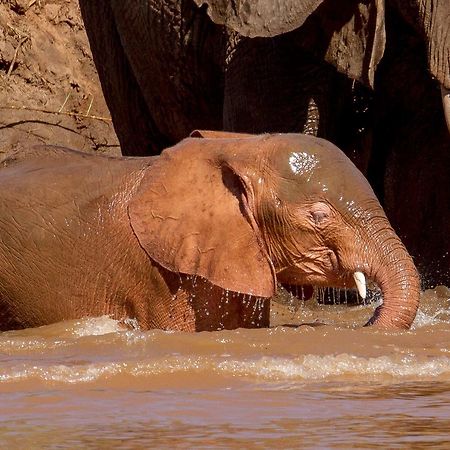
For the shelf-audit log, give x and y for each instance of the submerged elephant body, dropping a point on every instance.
(68, 249)
(195, 239)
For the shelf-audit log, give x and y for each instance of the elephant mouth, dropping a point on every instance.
(331, 295)
(351, 288)
(332, 278)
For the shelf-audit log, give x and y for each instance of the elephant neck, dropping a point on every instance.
(193, 304)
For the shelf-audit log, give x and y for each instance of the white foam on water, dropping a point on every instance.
(96, 326)
(434, 308)
(172, 365)
(62, 373)
(62, 334)
(84, 373)
(315, 367)
(265, 369)
(424, 319)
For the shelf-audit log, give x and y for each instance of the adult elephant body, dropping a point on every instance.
(195, 239)
(167, 69)
(366, 75)
(165, 53)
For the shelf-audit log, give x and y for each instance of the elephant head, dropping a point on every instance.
(247, 211)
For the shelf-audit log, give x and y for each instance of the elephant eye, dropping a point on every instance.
(320, 212)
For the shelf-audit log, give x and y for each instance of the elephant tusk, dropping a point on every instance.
(446, 104)
(360, 281)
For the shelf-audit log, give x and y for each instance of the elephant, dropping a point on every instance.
(370, 76)
(196, 238)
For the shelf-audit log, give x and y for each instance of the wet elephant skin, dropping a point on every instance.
(196, 239)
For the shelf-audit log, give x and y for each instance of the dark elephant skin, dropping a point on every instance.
(196, 239)
(366, 75)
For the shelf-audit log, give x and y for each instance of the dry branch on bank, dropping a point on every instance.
(64, 113)
(16, 52)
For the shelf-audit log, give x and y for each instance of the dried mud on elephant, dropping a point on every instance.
(46, 65)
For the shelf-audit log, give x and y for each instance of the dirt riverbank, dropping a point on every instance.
(46, 65)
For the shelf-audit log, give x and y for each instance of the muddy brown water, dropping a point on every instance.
(92, 384)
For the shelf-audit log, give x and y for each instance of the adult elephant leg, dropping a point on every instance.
(133, 123)
(176, 55)
(411, 160)
(271, 85)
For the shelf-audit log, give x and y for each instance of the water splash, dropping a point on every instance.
(315, 367)
(269, 369)
(434, 308)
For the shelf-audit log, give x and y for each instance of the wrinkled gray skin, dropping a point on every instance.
(167, 68)
(195, 239)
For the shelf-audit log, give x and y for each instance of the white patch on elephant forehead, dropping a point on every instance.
(301, 162)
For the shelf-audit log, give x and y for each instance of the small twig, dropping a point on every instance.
(32, 2)
(45, 111)
(64, 104)
(90, 106)
(11, 66)
(17, 32)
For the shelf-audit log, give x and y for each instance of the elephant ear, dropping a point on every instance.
(349, 35)
(264, 18)
(358, 40)
(191, 215)
(213, 134)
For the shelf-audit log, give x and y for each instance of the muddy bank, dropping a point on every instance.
(46, 64)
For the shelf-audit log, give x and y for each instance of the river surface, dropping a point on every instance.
(324, 384)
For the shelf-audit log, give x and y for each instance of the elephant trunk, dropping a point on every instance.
(395, 273)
